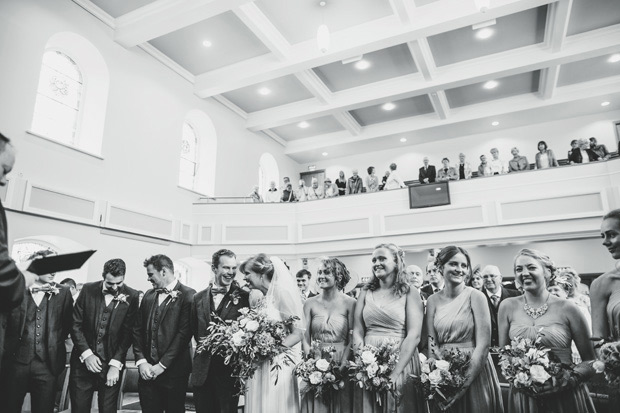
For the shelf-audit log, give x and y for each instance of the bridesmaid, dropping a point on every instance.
(329, 318)
(449, 316)
(561, 323)
(605, 290)
(388, 308)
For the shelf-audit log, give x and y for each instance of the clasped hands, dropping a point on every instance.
(150, 372)
(94, 365)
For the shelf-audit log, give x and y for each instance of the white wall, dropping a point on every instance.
(557, 134)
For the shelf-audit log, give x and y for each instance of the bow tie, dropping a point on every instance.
(44, 288)
(110, 292)
(216, 290)
(163, 291)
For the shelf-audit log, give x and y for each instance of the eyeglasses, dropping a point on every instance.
(489, 276)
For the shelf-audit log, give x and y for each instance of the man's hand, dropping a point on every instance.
(112, 377)
(29, 277)
(157, 370)
(145, 371)
(93, 364)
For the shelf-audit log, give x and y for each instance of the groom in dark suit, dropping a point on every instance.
(161, 339)
(427, 173)
(495, 293)
(214, 386)
(103, 320)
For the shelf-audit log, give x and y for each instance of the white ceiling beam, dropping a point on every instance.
(440, 104)
(166, 16)
(423, 57)
(548, 82)
(403, 9)
(536, 57)
(157, 54)
(314, 85)
(236, 109)
(275, 137)
(378, 34)
(348, 122)
(262, 27)
(557, 24)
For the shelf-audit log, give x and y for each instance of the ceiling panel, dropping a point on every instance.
(299, 20)
(284, 90)
(510, 32)
(318, 126)
(384, 64)
(508, 86)
(421, 3)
(587, 15)
(414, 106)
(231, 42)
(589, 69)
(116, 8)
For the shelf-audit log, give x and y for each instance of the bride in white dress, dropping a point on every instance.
(268, 392)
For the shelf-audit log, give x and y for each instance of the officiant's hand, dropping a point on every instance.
(29, 277)
(112, 377)
(145, 371)
(93, 364)
(156, 370)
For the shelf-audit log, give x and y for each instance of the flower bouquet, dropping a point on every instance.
(321, 372)
(609, 363)
(371, 368)
(247, 342)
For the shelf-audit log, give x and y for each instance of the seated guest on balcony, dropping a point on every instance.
(372, 181)
(255, 195)
(272, 195)
(464, 167)
(518, 162)
(497, 165)
(574, 144)
(286, 182)
(447, 173)
(545, 157)
(354, 184)
(584, 154)
(341, 183)
(315, 191)
(288, 195)
(302, 191)
(384, 180)
(330, 189)
(484, 169)
(394, 181)
(600, 150)
(427, 172)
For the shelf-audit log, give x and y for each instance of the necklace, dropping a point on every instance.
(535, 312)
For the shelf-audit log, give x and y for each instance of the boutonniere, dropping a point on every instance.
(234, 297)
(53, 290)
(174, 294)
(120, 298)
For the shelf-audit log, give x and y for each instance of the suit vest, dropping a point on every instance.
(102, 328)
(153, 328)
(34, 337)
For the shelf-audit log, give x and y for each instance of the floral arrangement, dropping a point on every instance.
(321, 372)
(609, 363)
(528, 366)
(248, 341)
(443, 376)
(174, 294)
(120, 298)
(371, 368)
(53, 290)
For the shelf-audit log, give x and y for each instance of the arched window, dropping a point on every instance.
(267, 171)
(189, 158)
(197, 158)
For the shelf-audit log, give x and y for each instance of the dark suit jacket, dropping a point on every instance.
(59, 310)
(576, 157)
(494, 311)
(202, 310)
(12, 283)
(173, 335)
(85, 317)
(430, 173)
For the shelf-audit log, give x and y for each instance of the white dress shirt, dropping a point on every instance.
(169, 287)
(217, 298)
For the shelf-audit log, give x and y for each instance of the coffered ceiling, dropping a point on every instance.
(421, 69)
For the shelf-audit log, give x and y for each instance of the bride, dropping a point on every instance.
(268, 392)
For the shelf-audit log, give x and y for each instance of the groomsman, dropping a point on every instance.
(103, 320)
(435, 279)
(496, 293)
(303, 277)
(161, 339)
(214, 386)
(35, 345)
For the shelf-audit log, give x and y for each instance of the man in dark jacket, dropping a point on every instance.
(427, 173)
(496, 293)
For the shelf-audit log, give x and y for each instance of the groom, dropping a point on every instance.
(214, 386)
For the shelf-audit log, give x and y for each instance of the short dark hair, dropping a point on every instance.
(393, 166)
(260, 264)
(303, 272)
(70, 282)
(573, 141)
(445, 159)
(613, 214)
(369, 169)
(115, 266)
(544, 143)
(40, 254)
(215, 258)
(3, 142)
(159, 262)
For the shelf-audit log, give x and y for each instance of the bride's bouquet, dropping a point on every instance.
(320, 372)
(529, 368)
(371, 368)
(247, 342)
(609, 363)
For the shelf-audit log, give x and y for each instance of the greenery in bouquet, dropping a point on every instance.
(609, 363)
(371, 368)
(247, 342)
(321, 372)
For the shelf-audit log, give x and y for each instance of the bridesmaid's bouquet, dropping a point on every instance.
(321, 373)
(371, 368)
(247, 342)
(609, 363)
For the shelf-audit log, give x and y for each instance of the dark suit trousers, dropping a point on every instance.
(217, 394)
(164, 394)
(82, 385)
(35, 378)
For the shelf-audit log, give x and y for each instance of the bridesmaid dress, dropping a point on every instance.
(455, 329)
(556, 335)
(385, 319)
(613, 314)
(331, 330)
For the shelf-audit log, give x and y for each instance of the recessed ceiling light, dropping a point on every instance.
(403, 139)
(605, 104)
(325, 154)
(264, 91)
(388, 106)
(614, 58)
(207, 43)
(484, 33)
(362, 64)
(491, 84)
(494, 123)
(303, 124)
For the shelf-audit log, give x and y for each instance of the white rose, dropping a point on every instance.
(368, 357)
(237, 338)
(315, 378)
(372, 369)
(322, 364)
(426, 368)
(539, 374)
(243, 322)
(521, 378)
(442, 365)
(599, 366)
(252, 325)
(435, 377)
